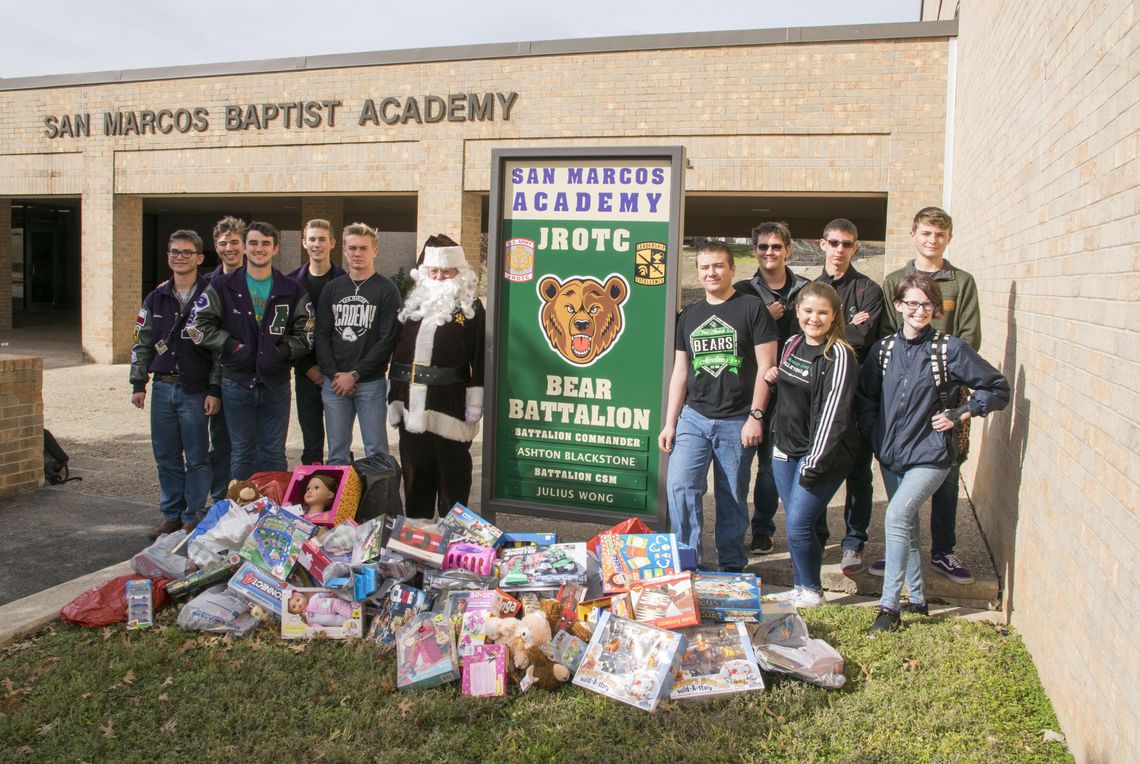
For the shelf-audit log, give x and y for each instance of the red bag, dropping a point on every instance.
(106, 603)
(272, 484)
(630, 525)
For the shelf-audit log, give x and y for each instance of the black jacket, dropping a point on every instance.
(857, 293)
(896, 405)
(787, 325)
(163, 343)
(834, 436)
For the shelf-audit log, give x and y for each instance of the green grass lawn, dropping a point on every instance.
(940, 690)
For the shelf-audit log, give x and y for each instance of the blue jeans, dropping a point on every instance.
(369, 404)
(258, 421)
(803, 508)
(219, 457)
(907, 493)
(857, 505)
(944, 514)
(764, 494)
(698, 441)
(178, 427)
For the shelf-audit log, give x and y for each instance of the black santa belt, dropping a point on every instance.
(420, 374)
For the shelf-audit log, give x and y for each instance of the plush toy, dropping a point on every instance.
(523, 638)
(242, 492)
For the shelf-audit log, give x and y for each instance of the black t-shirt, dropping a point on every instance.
(316, 283)
(356, 326)
(791, 428)
(720, 341)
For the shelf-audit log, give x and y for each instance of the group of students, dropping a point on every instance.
(220, 349)
(861, 373)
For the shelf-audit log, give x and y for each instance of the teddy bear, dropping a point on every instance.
(242, 492)
(553, 611)
(524, 638)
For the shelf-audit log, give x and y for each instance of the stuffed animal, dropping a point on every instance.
(552, 609)
(524, 638)
(242, 492)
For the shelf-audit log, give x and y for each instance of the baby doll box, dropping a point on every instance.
(348, 492)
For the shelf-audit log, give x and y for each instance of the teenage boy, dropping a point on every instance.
(318, 241)
(717, 395)
(185, 390)
(862, 302)
(356, 331)
(229, 241)
(777, 286)
(930, 232)
(260, 322)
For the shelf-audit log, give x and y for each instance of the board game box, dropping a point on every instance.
(631, 557)
(666, 602)
(632, 662)
(258, 587)
(728, 591)
(719, 660)
(275, 542)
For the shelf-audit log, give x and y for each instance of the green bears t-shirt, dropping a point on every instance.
(259, 293)
(720, 341)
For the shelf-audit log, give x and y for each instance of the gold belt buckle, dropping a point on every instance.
(412, 380)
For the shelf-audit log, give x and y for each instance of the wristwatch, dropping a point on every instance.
(757, 414)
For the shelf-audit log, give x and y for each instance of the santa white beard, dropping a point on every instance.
(434, 301)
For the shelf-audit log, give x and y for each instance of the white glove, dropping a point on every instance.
(472, 414)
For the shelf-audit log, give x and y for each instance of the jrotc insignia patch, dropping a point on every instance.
(519, 262)
(649, 263)
(139, 321)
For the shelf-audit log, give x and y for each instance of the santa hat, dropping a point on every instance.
(441, 252)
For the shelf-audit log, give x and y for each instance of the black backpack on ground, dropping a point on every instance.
(55, 462)
(381, 475)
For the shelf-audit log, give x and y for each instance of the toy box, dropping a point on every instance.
(485, 672)
(514, 538)
(425, 652)
(532, 567)
(466, 525)
(632, 662)
(666, 602)
(139, 594)
(566, 649)
(275, 542)
(258, 587)
(467, 555)
(316, 612)
(419, 540)
(636, 557)
(345, 501)
(396, 608)
(472, 624)
(219, 570)
(719, 660)
(732, 591)
(629, 525)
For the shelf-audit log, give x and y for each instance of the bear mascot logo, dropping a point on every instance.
(582, 317)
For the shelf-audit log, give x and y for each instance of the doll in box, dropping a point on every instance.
(319, 494)
(320, 609)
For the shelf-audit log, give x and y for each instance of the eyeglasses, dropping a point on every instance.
(445, 272)
(914, 307)
(838, 244)
(181, 254)
(766, 247)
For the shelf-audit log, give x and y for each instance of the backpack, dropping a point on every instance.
(55, 462)
(939, 344)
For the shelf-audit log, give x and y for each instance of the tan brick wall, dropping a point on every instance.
(21, 424)
(1045, 203)
(830, 117)
(6, 258)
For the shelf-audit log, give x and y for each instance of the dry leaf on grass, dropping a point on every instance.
(44, 729)
(108, 729)
(911, 664)
(107, 632)
(167, 682)
(405, 707)
(187, 646)
(129, 677)
(1049, 736)
(169, 727)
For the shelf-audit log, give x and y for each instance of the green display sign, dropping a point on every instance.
(582, 297)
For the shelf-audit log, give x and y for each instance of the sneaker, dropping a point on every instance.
(950, 566)
(878, 568)
(852, 562)
(918, 608)
(166, 526)
(886, 620)
(189, 527)
(808, 598)
(789, 596)
(761, 544)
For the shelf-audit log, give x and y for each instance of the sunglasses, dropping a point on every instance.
(840, 244)
(766, 247)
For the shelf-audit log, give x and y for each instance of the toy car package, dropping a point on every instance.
(533, 568)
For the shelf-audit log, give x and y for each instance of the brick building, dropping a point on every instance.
(1020, 118)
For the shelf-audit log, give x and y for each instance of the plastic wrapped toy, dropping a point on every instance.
(161, 559)
(218, 611)
(425, 652)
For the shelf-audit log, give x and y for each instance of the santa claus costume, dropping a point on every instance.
(435, 397)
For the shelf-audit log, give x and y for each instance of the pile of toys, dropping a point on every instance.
(626, 614)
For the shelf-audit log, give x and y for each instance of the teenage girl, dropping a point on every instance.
(908, 415)
(814, 437)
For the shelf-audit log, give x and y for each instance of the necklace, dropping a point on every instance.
(356, 292)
